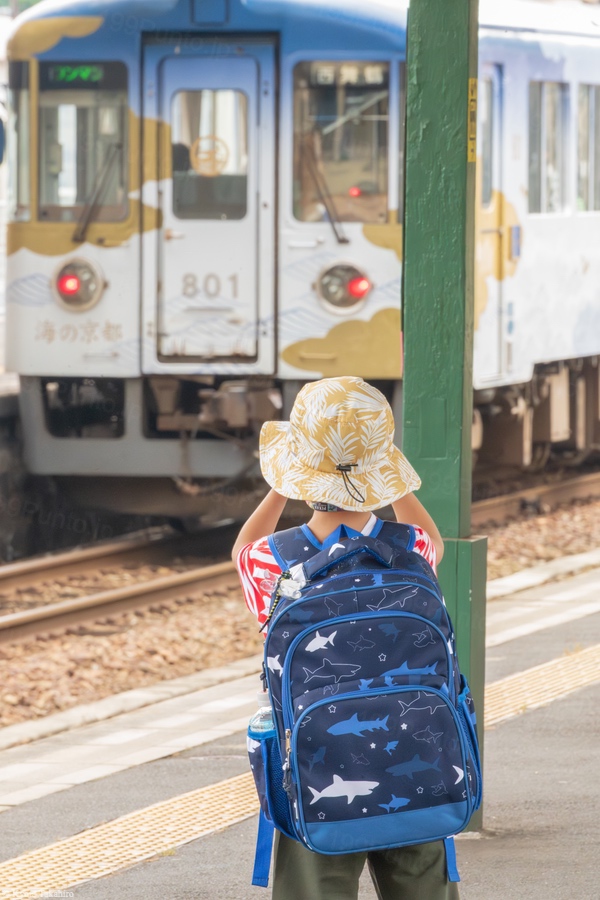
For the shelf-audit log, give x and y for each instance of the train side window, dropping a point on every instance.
(209, 154)
(83, 113)
(486, 137)
(588, 147)
(341, 141)
(548, 119)
(18, 142)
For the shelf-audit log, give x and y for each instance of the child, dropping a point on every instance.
(337, 454)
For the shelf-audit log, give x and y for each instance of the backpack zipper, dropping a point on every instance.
(287, 706)
(391, 584)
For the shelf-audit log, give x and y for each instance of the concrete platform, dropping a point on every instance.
(542, 793)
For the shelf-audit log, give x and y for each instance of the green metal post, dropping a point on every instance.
(441, 118)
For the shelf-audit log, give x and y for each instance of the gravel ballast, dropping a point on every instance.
(54, 672)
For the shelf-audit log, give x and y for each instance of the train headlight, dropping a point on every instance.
(343, 287)
(78, 285)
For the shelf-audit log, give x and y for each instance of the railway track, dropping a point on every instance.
(506, 506)
(82, 559)
(94, 606)
(160, 545)
(23, 583)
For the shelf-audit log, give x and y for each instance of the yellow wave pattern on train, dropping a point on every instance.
(370, 349)
(39, 35)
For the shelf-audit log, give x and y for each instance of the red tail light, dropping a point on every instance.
(78, 284)
(68, 285)
(358, 287)
(343, 286)
(355, 192)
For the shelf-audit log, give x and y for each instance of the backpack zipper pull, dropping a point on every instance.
(276, 599)
(287, 772)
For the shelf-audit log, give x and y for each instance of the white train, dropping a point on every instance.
(206, 211)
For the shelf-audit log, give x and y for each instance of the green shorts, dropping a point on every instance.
(403, 873)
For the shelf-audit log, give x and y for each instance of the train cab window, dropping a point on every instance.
(588, 150)
(341, 141)
(18, 142)
(548, 121)
(83, 141)
(209, 154)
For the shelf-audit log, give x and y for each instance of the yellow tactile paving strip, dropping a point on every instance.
(130, 839)
(164, 826)
(541, 685)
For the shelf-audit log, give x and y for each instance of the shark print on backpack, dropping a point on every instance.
(375, 742)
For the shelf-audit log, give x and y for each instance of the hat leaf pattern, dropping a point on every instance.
(360, 400)
(342, 447)
(310, 450)
(375, 433)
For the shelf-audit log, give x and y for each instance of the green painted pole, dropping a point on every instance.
(441, 119)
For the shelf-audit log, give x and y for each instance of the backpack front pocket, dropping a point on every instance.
(369, 778)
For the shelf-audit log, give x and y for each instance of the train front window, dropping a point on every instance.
(18, 142)
(83, 141)
(209, 154)
(341, 141)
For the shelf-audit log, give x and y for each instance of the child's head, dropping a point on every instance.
(338, 448)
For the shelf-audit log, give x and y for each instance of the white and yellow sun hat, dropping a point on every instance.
(338, 448)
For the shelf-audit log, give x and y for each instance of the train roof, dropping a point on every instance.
(349, 12)
(562, 17)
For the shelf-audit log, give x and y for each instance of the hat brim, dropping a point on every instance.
(387, 479)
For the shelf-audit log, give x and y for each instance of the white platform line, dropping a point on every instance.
(549, 621)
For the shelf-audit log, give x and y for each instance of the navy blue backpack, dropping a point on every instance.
(374, 742)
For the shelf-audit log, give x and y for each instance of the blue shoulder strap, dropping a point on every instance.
(288, 547)
(397, 535)
(451, 866)
(264, 848)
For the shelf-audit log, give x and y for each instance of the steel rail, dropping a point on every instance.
(498, 509)
(94, 606)
(68, 558)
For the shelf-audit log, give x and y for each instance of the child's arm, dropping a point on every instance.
(263, 521)
(408, 509)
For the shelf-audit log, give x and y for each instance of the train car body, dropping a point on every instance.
(206, 211)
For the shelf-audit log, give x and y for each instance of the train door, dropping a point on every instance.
(216, 192)
(489, 229)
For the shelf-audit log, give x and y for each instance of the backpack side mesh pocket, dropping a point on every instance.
(267, 769)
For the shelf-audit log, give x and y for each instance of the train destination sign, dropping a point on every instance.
(353, 74)
(69, 74)
(82, 76)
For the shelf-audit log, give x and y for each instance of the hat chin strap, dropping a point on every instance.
(352, 489)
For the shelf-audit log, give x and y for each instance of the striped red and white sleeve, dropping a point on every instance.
(258, 573)
(425, 546)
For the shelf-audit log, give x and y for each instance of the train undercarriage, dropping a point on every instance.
(187, 446)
